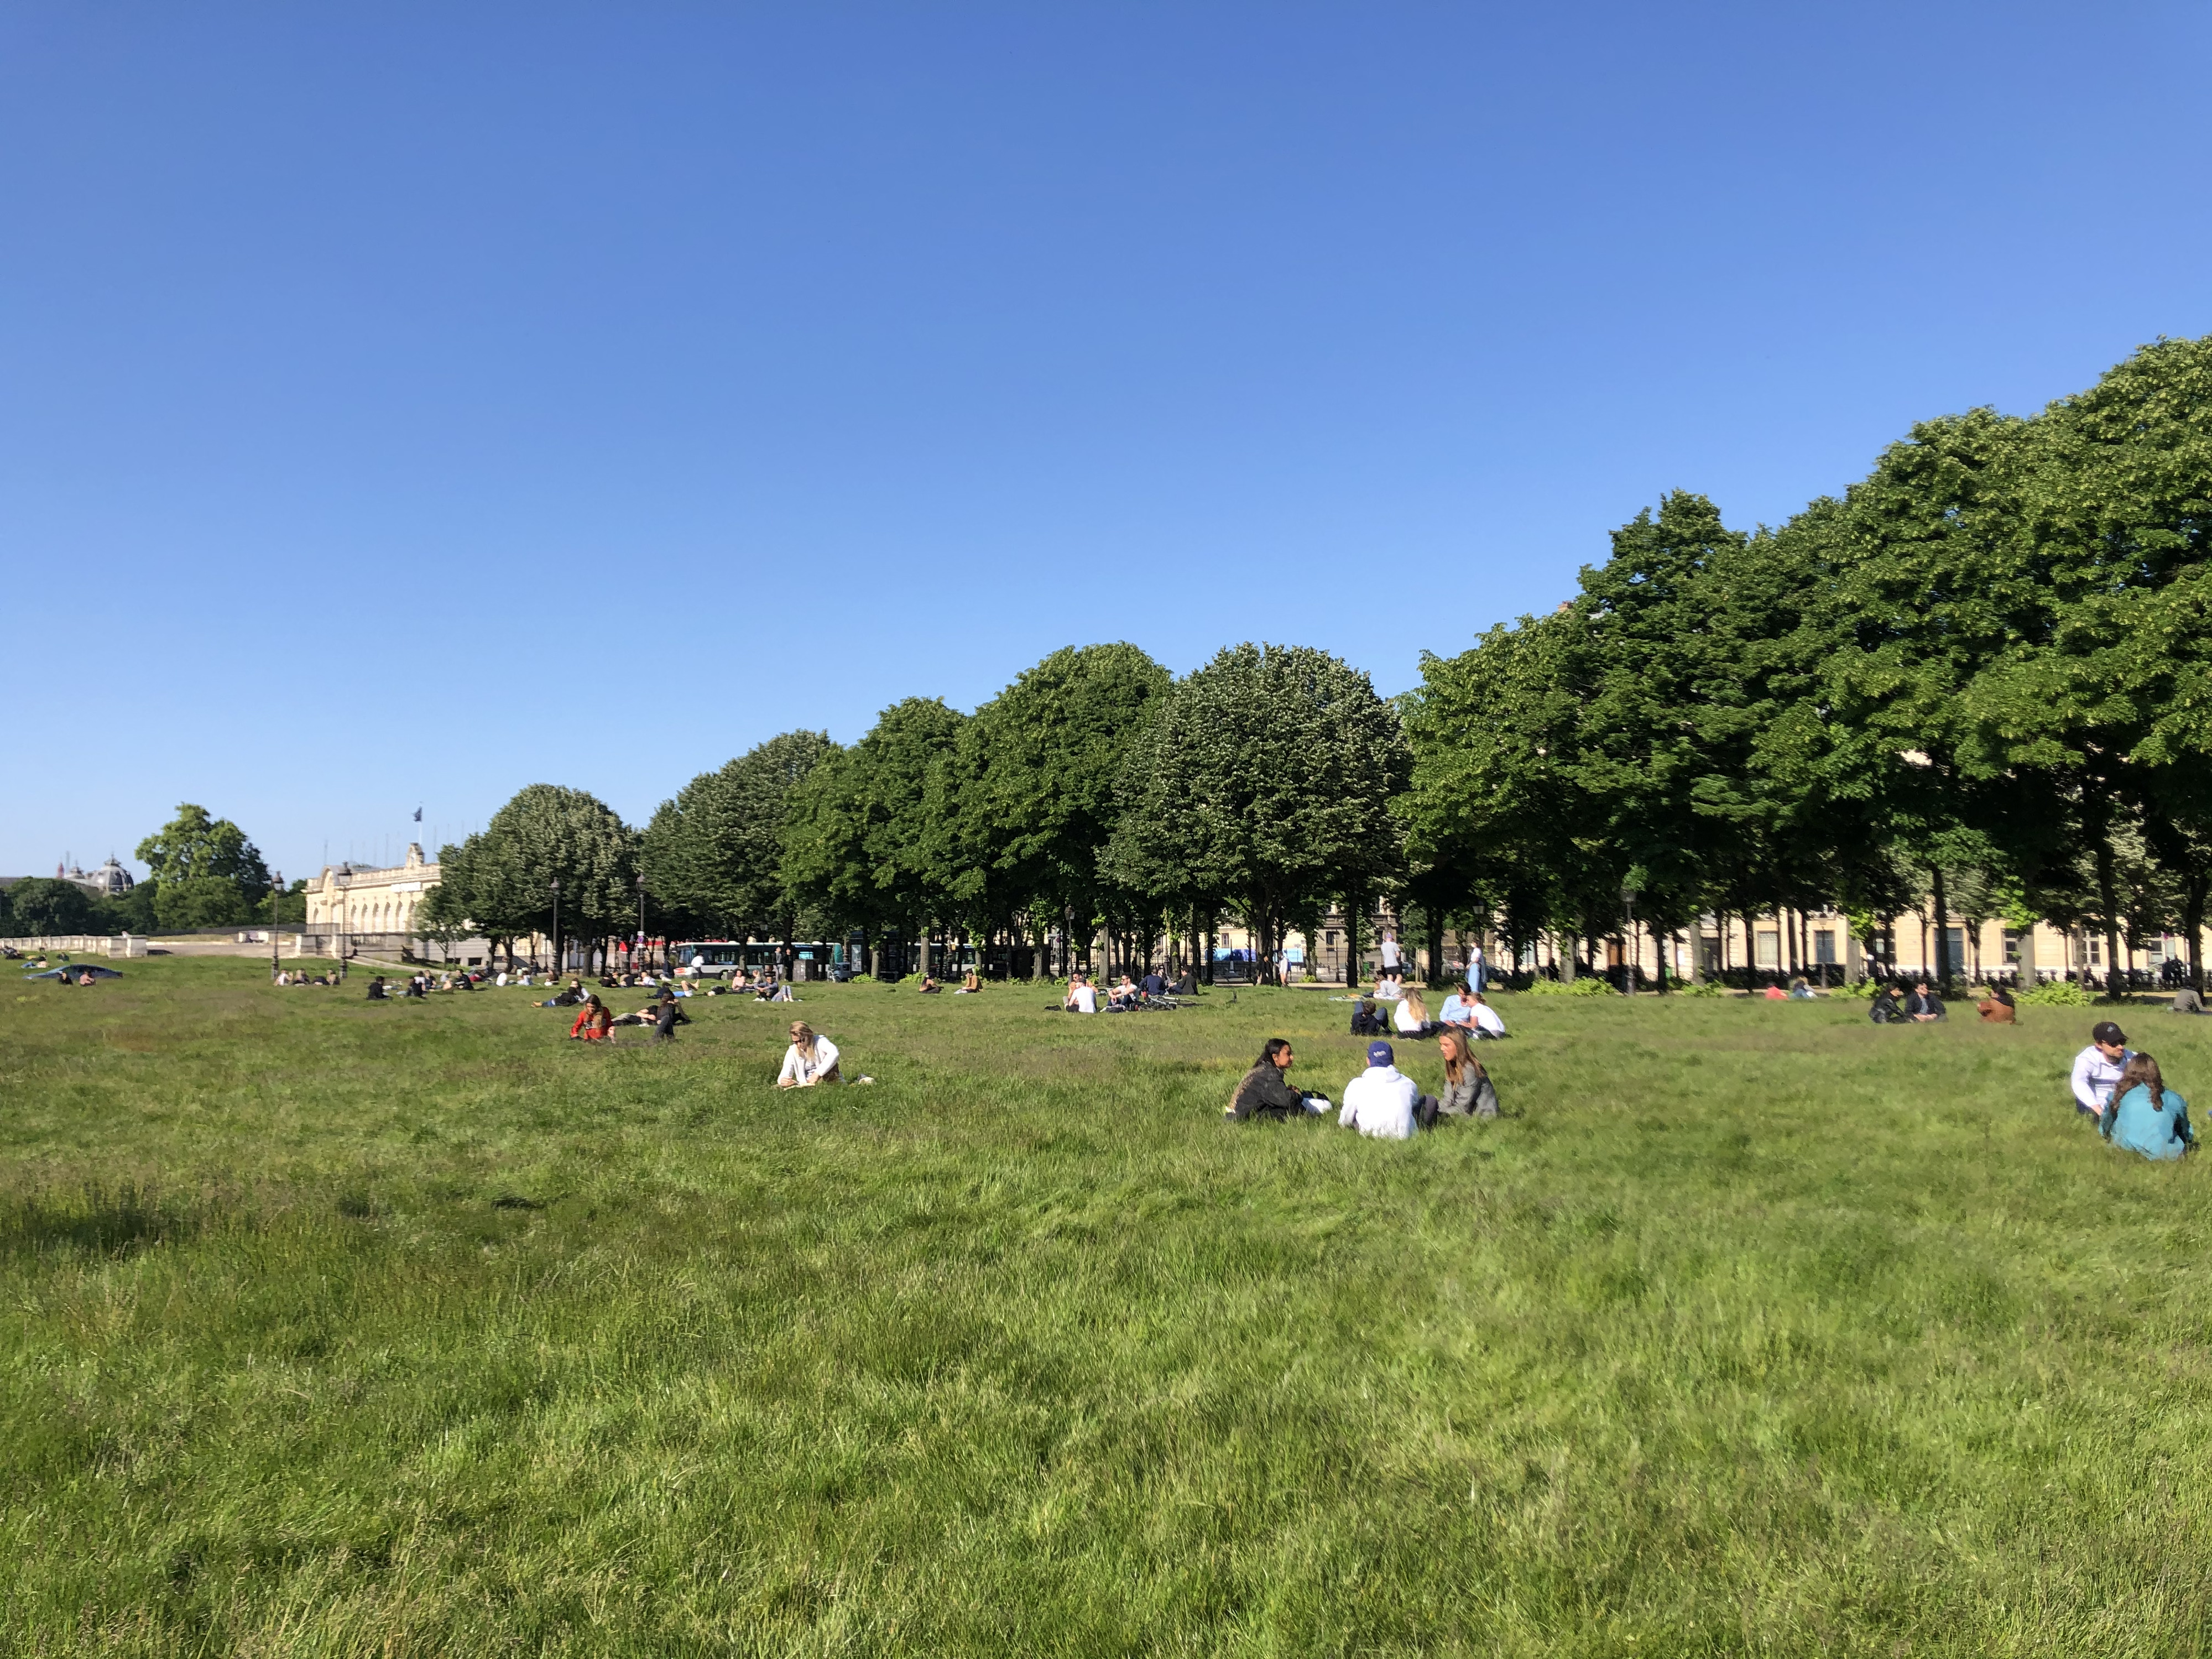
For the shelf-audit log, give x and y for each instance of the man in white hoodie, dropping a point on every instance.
(1383, 1102)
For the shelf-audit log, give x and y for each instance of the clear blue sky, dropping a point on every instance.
(401, 404)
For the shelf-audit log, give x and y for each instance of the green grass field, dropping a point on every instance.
(340, 1327)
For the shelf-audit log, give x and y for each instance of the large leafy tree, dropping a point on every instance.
(1035, 777)
(1263, 781)
(207, 873)
(42, 905)
(865, 837)
(715, 851)
(502, 877)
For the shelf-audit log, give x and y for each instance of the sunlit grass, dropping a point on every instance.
(341, 1328)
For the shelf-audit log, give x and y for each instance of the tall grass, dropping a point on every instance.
(341, 1327)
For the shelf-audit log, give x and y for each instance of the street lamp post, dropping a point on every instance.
(345, 888)
(556, 885)
(274, 970)
(640, 922)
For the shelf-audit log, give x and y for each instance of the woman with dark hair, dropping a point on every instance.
(1996, 1008)
(593, 1021)
(2145, 1116)
(1265, 1092)
(1468, 1091)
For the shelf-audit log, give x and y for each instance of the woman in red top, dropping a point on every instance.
(592, 1020)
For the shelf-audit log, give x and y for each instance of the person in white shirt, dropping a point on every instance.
(1383, 1102)
(809, 1061)
(2098, 1068)
(1487, 1021)
(1082, 996)
(1390, 957)
(1475, 967)
(1411, 1016)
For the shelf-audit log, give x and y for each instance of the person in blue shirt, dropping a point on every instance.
(2145, 1116)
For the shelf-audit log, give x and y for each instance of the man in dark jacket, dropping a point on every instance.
(1367, 1020)
(667, 1017)
(1265, 1092)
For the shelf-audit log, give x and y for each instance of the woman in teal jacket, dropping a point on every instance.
(2146, 1117)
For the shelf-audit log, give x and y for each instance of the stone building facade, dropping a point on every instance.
(374, 910)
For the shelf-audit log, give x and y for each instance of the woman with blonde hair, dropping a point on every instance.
(1468, 1091)
(2145, 1116)
(809, 1061)
(1411, 1016)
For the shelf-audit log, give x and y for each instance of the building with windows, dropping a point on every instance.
(373, 909)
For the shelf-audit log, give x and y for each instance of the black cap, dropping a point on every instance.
(2105, 1032)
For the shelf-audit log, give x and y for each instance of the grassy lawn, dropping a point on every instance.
(338, 1328)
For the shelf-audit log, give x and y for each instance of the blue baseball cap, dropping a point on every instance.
(1378, 1054)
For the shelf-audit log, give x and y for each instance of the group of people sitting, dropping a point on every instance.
(1126, 996)
(1464, 1010)
(1919, 1007)
(1381, 1101)
(2124, 1091)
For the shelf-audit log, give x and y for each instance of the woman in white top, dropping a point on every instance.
(1486, 1021)
(1411, 1016)
(809, 1061)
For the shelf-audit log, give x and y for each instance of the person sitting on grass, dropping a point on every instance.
(1997, 1007)
(1411, 1016)
(809, 1061)
(1487, 1021)
(376, 992)
(1266, 1095)
(1154, 984)
(1383, 1102)
(1457, 1009)
(2098, 1068)
(1468, 1091)
(666, 1016)
(1883, 1009)
(1367, 1020)
(930, 988)
(1801, 990)
(970, 982)
(1924, 1006)
(1082, 996)
(1123, 996)
(2147, 1116)
(594, 1021)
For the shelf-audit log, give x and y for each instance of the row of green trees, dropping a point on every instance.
(1981, 675)
(1096, 790)
(203, 873)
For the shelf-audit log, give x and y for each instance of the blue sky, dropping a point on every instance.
(399, 405)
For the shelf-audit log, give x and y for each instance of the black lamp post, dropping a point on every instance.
(274, 968)
(640, 922)
(556, 885)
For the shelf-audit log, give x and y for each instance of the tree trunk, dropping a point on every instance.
(1351, 943)
(2192, 918)
(1567, 959)
(1942, 933)
(2108, 897)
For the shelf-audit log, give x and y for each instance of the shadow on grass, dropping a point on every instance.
(97, 1220)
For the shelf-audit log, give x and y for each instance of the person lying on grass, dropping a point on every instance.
(1265, 1094)
(2098, 1068)
(2147, 1116)
(809, 1061)
(1468, 1091)
(1383, 1102)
